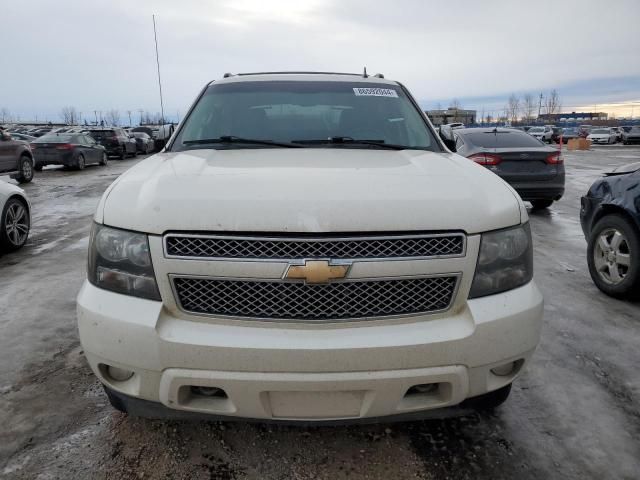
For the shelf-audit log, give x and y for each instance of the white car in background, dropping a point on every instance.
(15, 219)
(603, 135)
(544, 134)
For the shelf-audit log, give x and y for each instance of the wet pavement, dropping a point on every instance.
(574, 413)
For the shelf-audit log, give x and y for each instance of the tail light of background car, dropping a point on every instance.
(485, 159)
(64, 146)
(554, 159)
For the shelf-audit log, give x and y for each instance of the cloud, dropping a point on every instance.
(98, 56)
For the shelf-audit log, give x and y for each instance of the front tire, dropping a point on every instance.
(25, 174)
(123, 154)
(80, 163)
(613, 255)
(541, 204)
(14, 225)
(105, 159)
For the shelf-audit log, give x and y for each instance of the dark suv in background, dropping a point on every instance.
(610, 218)
(116, 141)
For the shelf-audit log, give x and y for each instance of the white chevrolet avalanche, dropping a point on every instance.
(305, 248)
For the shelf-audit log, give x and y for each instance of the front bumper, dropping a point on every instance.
(312, 373)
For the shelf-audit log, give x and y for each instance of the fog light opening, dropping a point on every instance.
(506, 369)
(211, 392)
(118, 374)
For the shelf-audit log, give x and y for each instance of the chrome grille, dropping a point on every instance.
(300, 301)
(400, 246)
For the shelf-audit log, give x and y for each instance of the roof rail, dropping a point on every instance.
(297, 73)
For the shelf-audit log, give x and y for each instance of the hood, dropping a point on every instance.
(308, 190)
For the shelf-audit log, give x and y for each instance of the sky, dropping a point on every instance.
(98, 56)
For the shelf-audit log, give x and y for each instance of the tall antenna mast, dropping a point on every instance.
(155, 37)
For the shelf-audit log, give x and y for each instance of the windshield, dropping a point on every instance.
(307, 113)
(600, 130)
(569, 130)
(55, 138)
(536, 130)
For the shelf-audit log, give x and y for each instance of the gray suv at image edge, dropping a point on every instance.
(16, 158)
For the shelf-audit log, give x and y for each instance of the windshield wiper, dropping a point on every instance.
(352, 141)
(231, 139)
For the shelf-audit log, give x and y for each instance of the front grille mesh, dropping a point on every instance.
(299, 301)
(291, 249)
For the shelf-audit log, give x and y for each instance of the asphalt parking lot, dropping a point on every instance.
(575, 413)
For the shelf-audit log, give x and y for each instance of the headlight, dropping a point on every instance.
(120, 261)
(505, 261)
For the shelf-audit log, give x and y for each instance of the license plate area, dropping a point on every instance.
(295, 405)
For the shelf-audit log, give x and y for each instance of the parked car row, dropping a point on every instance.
(71, 147)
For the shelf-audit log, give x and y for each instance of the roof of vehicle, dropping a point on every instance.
(305, 76)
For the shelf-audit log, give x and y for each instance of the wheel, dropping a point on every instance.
(624, 142)
(123, 154)
(540, 204)
(25, 168)
(105, 159)
(490, 400)
(613, 255)
(80, 164)
(135, 152)
(14, 225)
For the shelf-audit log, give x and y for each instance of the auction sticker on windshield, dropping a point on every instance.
(375, 92)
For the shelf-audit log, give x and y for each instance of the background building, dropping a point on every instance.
(451, 115)
(573, 117)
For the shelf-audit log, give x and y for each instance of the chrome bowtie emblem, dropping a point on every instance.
(317, 271)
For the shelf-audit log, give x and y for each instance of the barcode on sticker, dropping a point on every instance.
(375, 92)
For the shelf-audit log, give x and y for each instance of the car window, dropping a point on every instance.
(536, 129)
(502, 139)
(101, 134)
(600, 130)
(288, 111)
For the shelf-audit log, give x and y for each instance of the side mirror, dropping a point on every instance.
(450, 144)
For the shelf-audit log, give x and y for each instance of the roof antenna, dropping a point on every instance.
(365, 73)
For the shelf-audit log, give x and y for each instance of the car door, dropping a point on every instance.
(94, 153)
(8, 159)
